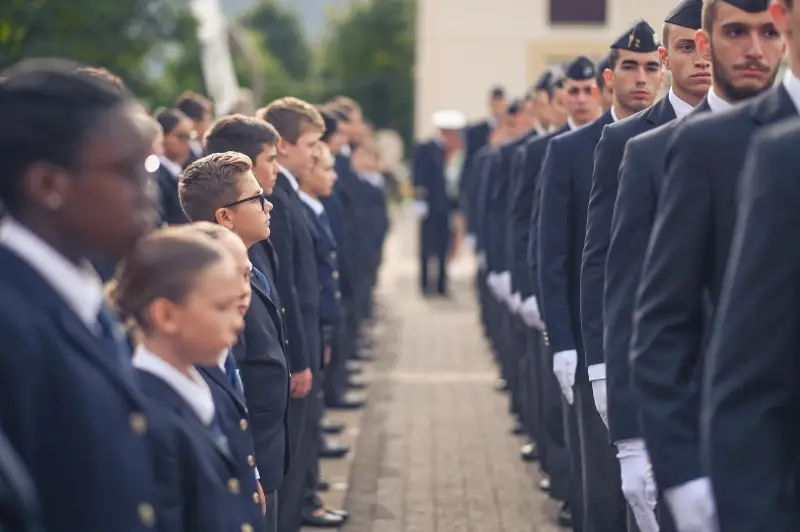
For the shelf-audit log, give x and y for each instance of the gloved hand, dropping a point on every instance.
(692, 506)
(420, 209)
(529, 311)
(503, 286)
(565, 363)
(491, 282)
(600, 399)
(638, 485)
(470, 240)
(514, 302)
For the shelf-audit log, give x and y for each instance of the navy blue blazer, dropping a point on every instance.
(169, 201)
(19, 504)
(297, 283)
(334, 207)
(566, 184)
(88, 397)
(235, 421)
(682, 276)
(264, 369)
(352, 250)
(640, 175)
(428, 174)
(522, 220)
(196, 475)
(607, 158)
(330, 298)
(470, 189)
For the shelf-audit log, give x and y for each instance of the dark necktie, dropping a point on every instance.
(233, 375)
(261, 279)
(113, 340)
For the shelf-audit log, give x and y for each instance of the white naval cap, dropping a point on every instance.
(449, 119)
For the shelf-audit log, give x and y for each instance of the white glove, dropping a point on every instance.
(565, 363)
(503, 286)
(471, 241)
(692, 506)
(420, 209)
(482, 261)
(491, 282)
(601, 399)
(514, 302)
(529, 311)
(638, 485)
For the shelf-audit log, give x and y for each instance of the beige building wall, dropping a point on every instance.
(464, 47)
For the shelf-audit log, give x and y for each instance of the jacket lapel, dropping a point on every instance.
(773, 106)
(660, 113)
(219, 377)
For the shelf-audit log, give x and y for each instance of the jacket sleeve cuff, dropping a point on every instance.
(597, 372)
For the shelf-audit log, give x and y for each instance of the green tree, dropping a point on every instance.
(116, 34)
(282, 34)
(369, 56)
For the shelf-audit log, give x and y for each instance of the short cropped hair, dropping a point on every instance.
(48, 107)
(103, 74)
(193, 105)
(613, 58)
(292, 118)
(169, 119)
(240, 133)
(348, 103)
(709, 15)
(210, 183)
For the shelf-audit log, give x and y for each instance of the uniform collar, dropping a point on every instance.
(315, 204)
(680, 107)
(290, 177)
(345, 150)
(792, 85)
(194, 390)
(613, 114)
(172, 167)
(716, 103)
(79, 285)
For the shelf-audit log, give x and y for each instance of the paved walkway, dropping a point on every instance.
(433, 451)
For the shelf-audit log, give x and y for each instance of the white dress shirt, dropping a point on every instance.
(792, 85)
(79, 285)
(290, 176)
(716, 103)
(193, 389)
(680, 107)
(613, 114)
(172, 167)
(316, 205)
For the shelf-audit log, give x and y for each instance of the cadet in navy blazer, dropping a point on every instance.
(177, 136)
(65, 369)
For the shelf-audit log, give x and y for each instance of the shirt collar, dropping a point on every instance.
(613, 114)
(226, 353)
(792, 85)
(680, 107)
(345, 150)
(172, 167)
(540, 130)
(290, 176)
(196, 147)
(313, 203)
(194, 390)
(716, 103)
(79, 285)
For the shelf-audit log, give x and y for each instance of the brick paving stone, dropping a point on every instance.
(434, 452)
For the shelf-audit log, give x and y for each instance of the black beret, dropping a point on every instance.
(581, 68)
(688, 13)
(544, 82)
(640, 37)
(751, 6)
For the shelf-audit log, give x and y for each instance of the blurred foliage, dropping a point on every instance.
(369, 56)
(116, 34)
(281, 34)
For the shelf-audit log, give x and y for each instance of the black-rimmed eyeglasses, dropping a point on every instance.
(262, 200)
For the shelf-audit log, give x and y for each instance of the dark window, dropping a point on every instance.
(578, 11)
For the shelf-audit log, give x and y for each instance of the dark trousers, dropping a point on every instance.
(434, 245)
(335, 382)
(531, 390)
(302, 416)
(272, 511)
(573, 441)
(553, 434)
(516, 355)
(312, 500)
(604, 503)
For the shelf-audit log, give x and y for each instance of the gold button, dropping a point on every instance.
(256, 498)
(333, 254)
(138, 423)
(283, 310)
(286, 342)
(147, 515)
(335, 274)
(251, 461)
(247, 528)
(243, 424)
(233, 486)
(338, 295)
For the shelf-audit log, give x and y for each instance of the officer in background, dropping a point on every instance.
(436, 172)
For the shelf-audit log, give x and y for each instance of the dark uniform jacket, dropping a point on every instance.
(170, 204)
(19, 505)
(682, 275)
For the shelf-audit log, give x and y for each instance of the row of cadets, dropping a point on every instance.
(223, 188)
(74, 185)
(691, 79)
(685, 261)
